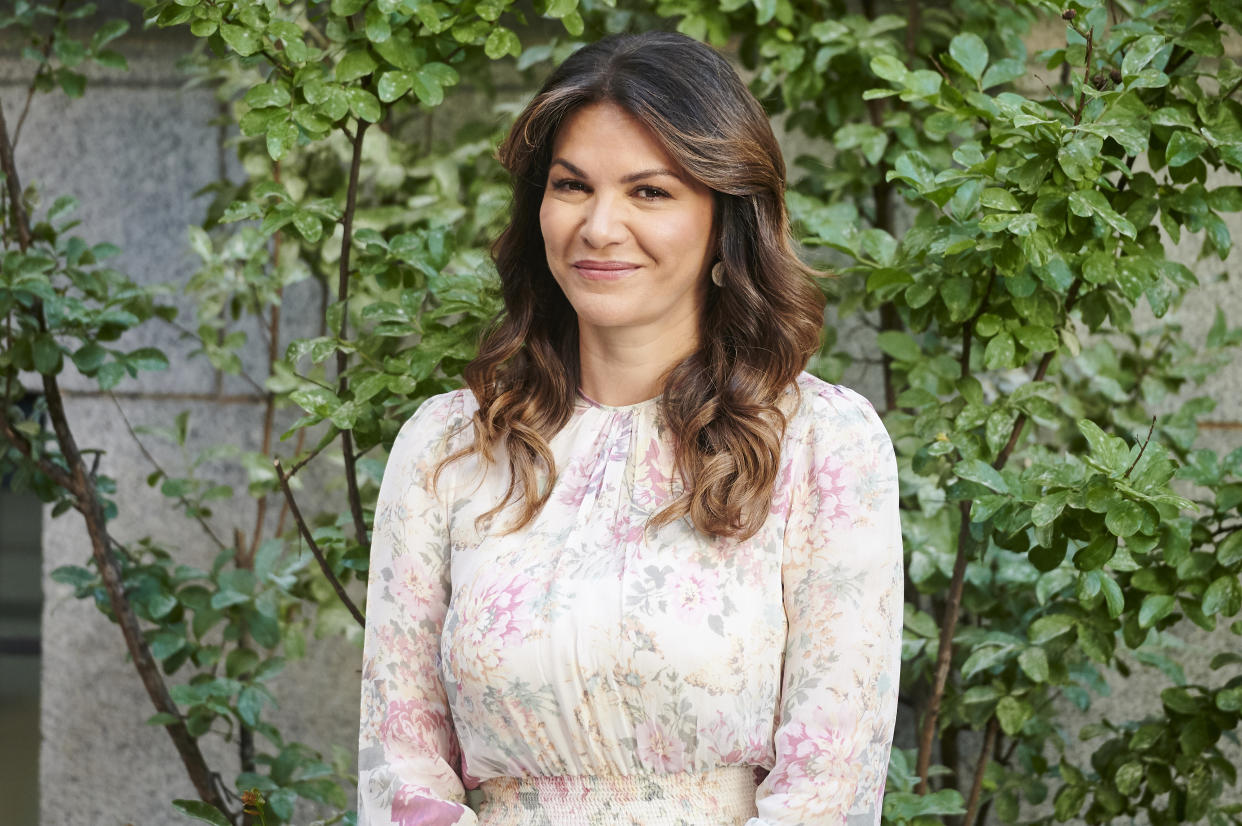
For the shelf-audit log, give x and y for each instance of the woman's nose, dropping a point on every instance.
(603, 223)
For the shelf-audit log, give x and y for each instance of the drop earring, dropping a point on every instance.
(718, 273)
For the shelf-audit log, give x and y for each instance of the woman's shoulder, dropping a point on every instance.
(438, 419)
(818, 404)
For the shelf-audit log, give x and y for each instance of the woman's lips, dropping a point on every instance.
(605, 270)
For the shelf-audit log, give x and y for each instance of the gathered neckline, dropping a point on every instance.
(618, 408)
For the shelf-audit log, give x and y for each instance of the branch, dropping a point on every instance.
(1146, 441)
(81, 485)
(953, 604)
(968, 329)
(976, 785)
(342, 359)
(269, 401)
(314, 546)
(18, 209)
(1040, 372)
(57, 474)
(1086, 75)
(944, 655)
(47, 52)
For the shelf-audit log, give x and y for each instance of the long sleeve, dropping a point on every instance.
(842, 582)
(408, 754)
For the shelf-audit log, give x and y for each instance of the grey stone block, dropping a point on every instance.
(133, 159)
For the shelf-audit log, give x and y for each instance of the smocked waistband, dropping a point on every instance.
(720, 797)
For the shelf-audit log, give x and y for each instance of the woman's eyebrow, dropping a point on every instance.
(628, 179)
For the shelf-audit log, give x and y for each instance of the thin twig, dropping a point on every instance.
(304, 529)
(944, 655)
(1150, 430)
(342, 358)
(284, 505)
(1064, 105)
(976, 784)
(1086, 76)
(47, 52)
(1040, 371)
(185, 503)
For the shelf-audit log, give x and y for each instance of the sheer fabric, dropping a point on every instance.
(587, 671)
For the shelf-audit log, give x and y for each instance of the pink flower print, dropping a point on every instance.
(653, 490)
(733, 746)
(412, 729)
(658, 749)
(411, 807)
(491, 622)
(816, 771)
(781, 490)
(695, 596)
(831, 485)
(414, 585)
(626, 531)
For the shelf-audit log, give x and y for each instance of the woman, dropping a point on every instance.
(644, 570)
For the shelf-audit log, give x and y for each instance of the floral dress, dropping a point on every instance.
(588, 670)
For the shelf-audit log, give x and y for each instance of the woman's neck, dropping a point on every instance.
(627, 366)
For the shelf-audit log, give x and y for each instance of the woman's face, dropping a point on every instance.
(628, 233)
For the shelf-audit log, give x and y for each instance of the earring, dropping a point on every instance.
(718, 271)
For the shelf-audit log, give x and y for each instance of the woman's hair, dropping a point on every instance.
(757, 331)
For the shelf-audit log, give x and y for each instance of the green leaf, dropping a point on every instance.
(393, 85)
(1068, 802)
(1088, 202)
(364, 105)
(979, 471)
(997, 198)
(899, 345)
(265, 95)
(355, 64)
(199, 810)
(1049, 627)
(1155, 607)
(1000, 351)
(243, 40)
(970, 52)
(1183, 148)
(108, 32)
(1034, 662)
(427, 87)
(47, 354)
(147, 358)
(889, 68)
(1140, 53)
(1012, 714)
(559, 8)
(1124, 519)
(377, 27)
(1229, 551)
(1113, 597)
(1223, 596)
(502, 42)
(250, 705)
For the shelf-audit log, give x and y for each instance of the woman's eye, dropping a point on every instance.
(569, 185)
(651, 193)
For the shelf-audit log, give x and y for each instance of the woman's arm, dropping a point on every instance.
(408, 755)
(842, 578)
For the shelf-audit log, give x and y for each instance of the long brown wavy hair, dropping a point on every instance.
(757, 331)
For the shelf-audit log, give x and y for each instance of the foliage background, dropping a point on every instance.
(135, 133)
